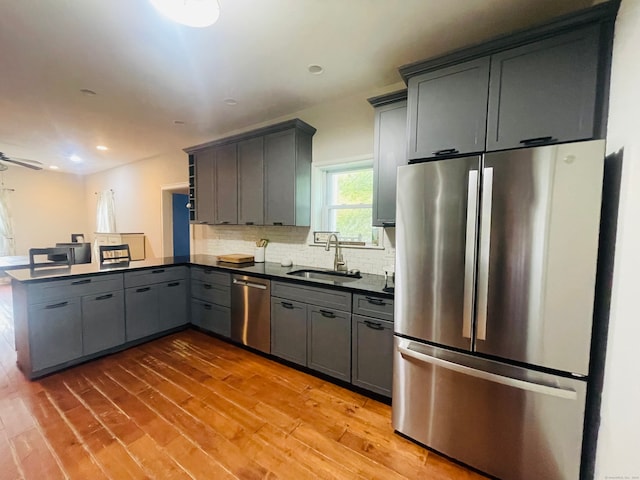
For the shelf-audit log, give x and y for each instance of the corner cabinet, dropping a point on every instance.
(261, 177)
(545, 85)
(389, 152)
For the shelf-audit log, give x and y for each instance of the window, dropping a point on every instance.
(347, 206)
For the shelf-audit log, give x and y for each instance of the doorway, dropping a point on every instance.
(181, 241)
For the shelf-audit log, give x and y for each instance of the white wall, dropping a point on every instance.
(47, 207)
(618, 454)
(345, 132)
(137, 192)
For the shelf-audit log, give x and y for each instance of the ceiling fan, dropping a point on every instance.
(23, 162)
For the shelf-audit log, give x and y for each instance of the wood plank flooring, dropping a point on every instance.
(194, 407)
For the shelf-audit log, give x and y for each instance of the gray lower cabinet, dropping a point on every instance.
(289, 330)
(329, 342)
(173, 304)
(311, 326)
(372, 343)
(211, 300)
(103, 323)
(372, 352)
(55, 333)
(142, 311)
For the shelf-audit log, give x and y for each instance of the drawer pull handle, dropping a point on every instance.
(373, 325)
(207, 286)
(248, 223)
(207, 272)
(160, 270)
(287, 305)
(81, 282)
(328, 314)
(57, 305)
(143, 289)
(105, 297)
(207, 306)
(173, 284)
(538, 140)
(375, 301)
(225, 222)
(278, 223)
(446, 151)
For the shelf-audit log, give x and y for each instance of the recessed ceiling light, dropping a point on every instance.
(75, 158)
(315, 69)
(179, 122)
(102, 148)
(53, 167)
(232, 102)
(88, 92)
(192, 13)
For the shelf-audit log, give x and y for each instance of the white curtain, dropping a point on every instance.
(106, 212)
(7, 243)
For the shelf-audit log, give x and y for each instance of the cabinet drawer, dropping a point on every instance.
(211, 292)
(322, 297)
(210, 275)
(154, 275)
(73, 287)
(373, 306)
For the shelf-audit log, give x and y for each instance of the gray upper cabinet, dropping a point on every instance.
(225, 185)
(261, 177)
(204, 170)
(447, 110)
(389, 152)
(544, 92)
(250, 182)
(287, 182)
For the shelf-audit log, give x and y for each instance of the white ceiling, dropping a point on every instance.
(149, 72)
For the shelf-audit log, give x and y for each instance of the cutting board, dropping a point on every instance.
(236, 258)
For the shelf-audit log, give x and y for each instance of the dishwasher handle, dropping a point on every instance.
(244, 283)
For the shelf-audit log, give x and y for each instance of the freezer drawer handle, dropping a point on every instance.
(242, 283)
(376, 301)
(492, 377)
(373, 325)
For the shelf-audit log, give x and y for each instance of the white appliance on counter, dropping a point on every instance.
(495, 279)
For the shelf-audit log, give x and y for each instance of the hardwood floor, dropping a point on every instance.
(191, 406)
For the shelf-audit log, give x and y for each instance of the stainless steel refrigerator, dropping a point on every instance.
(495, 276)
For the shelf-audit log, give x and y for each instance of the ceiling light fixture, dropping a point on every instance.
(75, 158)
(179, 122)
(53, 167)
(232, 102)
(192, 13)
(102, 148)
(315, 69)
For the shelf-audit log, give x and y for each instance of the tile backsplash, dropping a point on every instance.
(290, 243)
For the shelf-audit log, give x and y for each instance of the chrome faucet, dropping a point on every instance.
(339, 265)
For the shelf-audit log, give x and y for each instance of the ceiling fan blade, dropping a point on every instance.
(22, 164)
(26, 160)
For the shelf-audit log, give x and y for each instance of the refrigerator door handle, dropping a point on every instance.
(491, 377)
(469, 254)
(485, 244)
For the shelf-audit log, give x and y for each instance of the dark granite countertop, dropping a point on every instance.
(368, 283)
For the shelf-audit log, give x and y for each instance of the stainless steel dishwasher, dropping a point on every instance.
(251, 312)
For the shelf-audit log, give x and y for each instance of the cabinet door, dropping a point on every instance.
(544, 92)
(172, 298)
(103, 324)
(280, 178)
(204, 163)
(55, 333)
(329, 342)
(289, 330)
(226, 185)
(211, 317)
(390, 151)
(141, 311)
(250, 180)
(447, 110)
(372, 354)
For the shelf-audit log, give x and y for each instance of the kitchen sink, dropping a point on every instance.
(327, 275)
